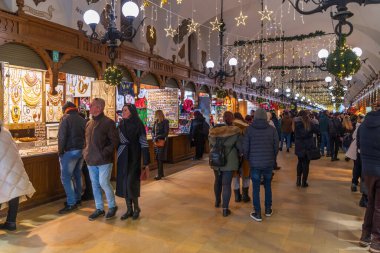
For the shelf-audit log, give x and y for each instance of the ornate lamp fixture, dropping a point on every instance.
(322, 54)
(113, 36)
(221, 74)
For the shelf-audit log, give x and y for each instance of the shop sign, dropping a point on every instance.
(55, 56)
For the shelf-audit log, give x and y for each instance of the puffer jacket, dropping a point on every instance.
(304, 138)
(71, 133)
(261, 145)
(369, 144)
(243, 128)
(230, 136)
(14, 182)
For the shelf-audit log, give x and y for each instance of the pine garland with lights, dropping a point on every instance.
(221, 93)
(113, 76)
(343, 62)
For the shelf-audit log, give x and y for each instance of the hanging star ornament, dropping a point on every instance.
(193, 26)
(241, 19)
(179, 1)
(170, 31)
(216, 24)
(265, 14)
(163, 2)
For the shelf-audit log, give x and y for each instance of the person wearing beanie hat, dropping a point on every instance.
(260, 148)
(71, 138)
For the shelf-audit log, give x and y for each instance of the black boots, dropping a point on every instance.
(298, 183)
(136, 209)
(160, 170)
(245, 196)
(10, 226)
(237, 195)
(129, 212)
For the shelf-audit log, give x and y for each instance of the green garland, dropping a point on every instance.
(343, 62)
(300, 37)
(221, 93)
(289, 67)
(113, 76)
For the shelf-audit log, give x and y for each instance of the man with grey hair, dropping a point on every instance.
(260, 149)
(102, 140)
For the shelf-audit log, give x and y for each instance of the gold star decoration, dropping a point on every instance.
(193, 26)
(299, 71)
(216, 24)
(312, 69)
(163, 2)
(151, 32)
(265, 14)
(179, 1)
(170, 31)
(241, 19)
(287, 71)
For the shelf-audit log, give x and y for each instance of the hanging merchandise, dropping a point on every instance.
(78, 86)
(165, 100)
(188, 105)
(142, 106)
(54, 103)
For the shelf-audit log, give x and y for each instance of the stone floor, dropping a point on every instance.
(178, 215)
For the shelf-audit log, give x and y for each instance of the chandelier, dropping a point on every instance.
(113, 37)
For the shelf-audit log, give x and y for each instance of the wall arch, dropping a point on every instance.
(172, 83)
(88, 68)
(128, 73)
(151, 77)
(190, 86)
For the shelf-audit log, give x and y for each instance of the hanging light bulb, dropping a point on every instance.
(288, 90)
(210, 64)
(233, 61)
(358, 51)
(253, 80)
(276, 90)
(323, 54)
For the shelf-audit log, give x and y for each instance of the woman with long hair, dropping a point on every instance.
(133, 144)
(160, 133)
(304, 129)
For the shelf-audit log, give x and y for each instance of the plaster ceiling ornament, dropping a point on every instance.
(216, 24)
(179, 1)
(42, 14)
(92, 1)
(36, 2)
(241, 19)
(265, 14)
(170, 31)
(193, 26)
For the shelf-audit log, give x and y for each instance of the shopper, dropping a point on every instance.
(199, 130)
(71, 138)
(335, 133)
(261, 148)
(369, 145)
(133, 144)
(101, 141)
(160, 133)
(324, 132)
(228, 136)
(348, 130)
(303, 130)
(243, 171)
(14, 182)
(286, 131)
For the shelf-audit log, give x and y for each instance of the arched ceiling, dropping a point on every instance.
(366, 34)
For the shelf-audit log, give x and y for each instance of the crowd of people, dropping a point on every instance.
(242, 150)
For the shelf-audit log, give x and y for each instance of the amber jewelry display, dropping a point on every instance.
(15, 77)
(31, 78)
(82, 86)
(30, 97)
(55, 99)
(15, 113)
(50, 114)
(16, 95)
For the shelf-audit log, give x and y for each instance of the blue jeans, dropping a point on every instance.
(325, 142)
(288, 137)
(71, 175)
(101, 179)
(256, 177)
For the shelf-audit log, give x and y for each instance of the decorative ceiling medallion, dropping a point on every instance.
(36, 2)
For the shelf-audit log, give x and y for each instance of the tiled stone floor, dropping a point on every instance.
(178, 215)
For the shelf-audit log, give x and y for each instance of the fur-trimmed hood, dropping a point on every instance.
(224, 131)
(241, 124)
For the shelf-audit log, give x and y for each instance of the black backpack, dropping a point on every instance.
(217, 156)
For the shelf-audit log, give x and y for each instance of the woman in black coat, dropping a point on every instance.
(303, 130)
(160, 131)
(133, 143)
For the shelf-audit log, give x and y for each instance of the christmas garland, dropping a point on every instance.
(113, 76)
(289, 67)
(300, 37)
(221, 93)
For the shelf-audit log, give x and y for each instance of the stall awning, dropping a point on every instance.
(79, 66)
(20, 55)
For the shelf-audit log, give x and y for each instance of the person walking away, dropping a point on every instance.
(369, 144)
(199, 130)
(225, 137)
(160, 133)
(101, 141)
(243, 171)
(335, 133)
(348, 130)
(71, 139)
(15, 186)
(286, 131)
(303, 130)
(133, 144)
(260, 148)
(324, 132)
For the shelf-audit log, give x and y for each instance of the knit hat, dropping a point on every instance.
(68, 104)
(260, 114)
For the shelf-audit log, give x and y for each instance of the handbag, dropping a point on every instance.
(159, 143)
(313, 154)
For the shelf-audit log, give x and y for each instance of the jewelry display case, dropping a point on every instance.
(37, 148)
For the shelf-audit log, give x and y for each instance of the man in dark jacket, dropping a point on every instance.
(324, 130)
(369, 144)
(286, 131)
(335, 133)
(199, 131)
(261, 148)
(102, 139)
(70, 146)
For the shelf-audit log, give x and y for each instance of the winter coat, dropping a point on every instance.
(133, 144)
(303, 138)
(199, 130)
(243, 128)
(369, 144)
(286, 125)
(14, 182)
(101, 141)
(323, 123)
(230, 136)
(261, 145)
(335, 128)
(71, 133)
(160, 131)
(353, 151)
